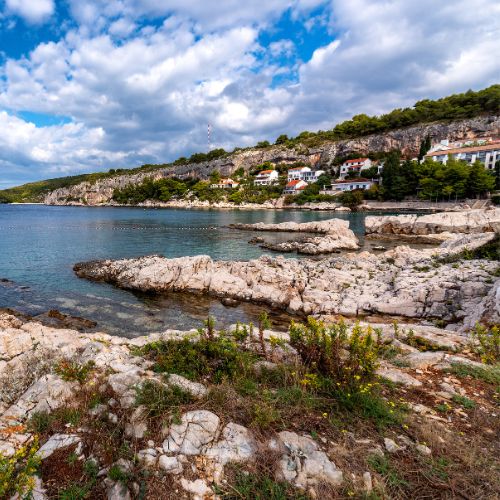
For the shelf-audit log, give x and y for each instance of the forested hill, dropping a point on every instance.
(454, 108)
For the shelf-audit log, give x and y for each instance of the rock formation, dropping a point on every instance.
(336, 235)
(466, 221)
(406, 139)
(402, 281)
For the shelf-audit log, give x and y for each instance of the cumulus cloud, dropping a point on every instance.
(33, 11)
(143, 91)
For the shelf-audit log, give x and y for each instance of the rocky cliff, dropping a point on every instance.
(407, 140)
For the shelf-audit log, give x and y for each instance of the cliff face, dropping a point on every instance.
(407, 140)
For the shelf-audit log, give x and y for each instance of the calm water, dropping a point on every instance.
(39, 245)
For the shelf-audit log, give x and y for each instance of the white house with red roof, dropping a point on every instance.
(295, 186)
(225, 184)
(266, 178)
(304, 174)
(355, 165)
(347, 185)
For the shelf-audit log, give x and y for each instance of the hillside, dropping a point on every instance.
(461, 116)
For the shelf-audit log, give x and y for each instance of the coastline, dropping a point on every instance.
(370, 206)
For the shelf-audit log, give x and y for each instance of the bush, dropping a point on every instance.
(71, 371)
(159, 398)
(209, 357)
(17, 473)
(351, 199)
(349, 359)
(486, 343)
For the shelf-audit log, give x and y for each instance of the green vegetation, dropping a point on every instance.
(454, 107)
(433, 180)
(486, 343)
(74, 372)
(488, 374)
(17, 472)
(159, 398)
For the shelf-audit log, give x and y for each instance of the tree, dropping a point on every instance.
(351, 199)
(480, 180)
(263, 144)
(393, 180)
(282, 139)
(324, 180)
(214, 177)
(425, 145)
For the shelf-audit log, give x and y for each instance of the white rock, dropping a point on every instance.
(391, 446)
(423, 450)
(196, 389)
(236, 445)
(398, 377)
(56, 442)
(198, 488)
(171, 465)
(197, 429)
(303, 463)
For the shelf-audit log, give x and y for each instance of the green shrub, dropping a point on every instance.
(486, 343)
(347, 358)
(488, 374)
(159, 398)
(71, 371)
(214, 359)
(17, 473)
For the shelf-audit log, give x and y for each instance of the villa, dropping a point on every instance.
(355, 165)
(487, 154)
(266, 178)
(225, 184)
(295, 186)
(304, 174)
(347, 185)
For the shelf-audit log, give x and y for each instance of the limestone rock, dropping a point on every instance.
(398, 377)
(196, 389)
(56, 442)
(171, 465)
(304, 464)
(197, 429)
(236, 445)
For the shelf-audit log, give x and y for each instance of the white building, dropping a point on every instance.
(295, 186)
(266, 178)
(356, 165)
(487, 154)
(304, 174)
(350, 185)
(225, 184)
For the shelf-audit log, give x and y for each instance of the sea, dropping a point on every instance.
(40, 244)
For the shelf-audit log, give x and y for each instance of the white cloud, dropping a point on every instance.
(140, 92)
(33, 11)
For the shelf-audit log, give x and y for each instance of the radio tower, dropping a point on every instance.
(208, 136)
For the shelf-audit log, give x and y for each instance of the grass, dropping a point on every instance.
(207, 360)
(160, 399)
(382, 465)
(488, 374)
(70, 371)
(44, 422)
(464, 402)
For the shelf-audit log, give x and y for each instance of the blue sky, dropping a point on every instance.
(89, 85)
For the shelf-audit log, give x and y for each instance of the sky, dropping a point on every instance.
(89, 85)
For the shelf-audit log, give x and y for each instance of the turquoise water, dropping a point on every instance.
(39, 246)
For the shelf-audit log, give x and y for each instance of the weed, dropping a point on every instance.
(488, 374)
(444, 408)
(73, 492)
(382, 465)
(264, 324)
(115, 473)
(17, 472)
(71, 371)
(486, 343)
(349, 359)
(215, 359)
(463, 401)
(159, 398)
(40, 422)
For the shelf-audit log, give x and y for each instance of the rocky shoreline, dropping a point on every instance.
(402, 281)
(193, 415)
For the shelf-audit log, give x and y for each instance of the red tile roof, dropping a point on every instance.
(356, 160)
(294, 183)
(265, 172)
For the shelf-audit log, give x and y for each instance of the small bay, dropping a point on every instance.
(40, 244)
